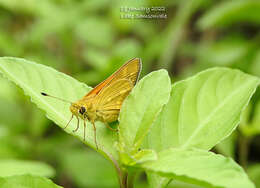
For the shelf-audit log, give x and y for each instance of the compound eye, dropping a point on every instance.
(82, 110)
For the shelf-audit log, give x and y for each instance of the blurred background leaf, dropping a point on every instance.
(18, 167)
(27, 181)
(88, 169)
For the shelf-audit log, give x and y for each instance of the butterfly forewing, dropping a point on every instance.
(110, 99)
(130, 71)
(112, 96)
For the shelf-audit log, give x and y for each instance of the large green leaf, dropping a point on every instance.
(26, 181)
(199, 167)
(202, 111)
(35, 78)
(140, 109)
(17, 167)
(230, 12)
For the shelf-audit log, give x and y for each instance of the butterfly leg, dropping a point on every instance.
(84, 130)
(110, 127)
(68, 122)
(77, 125)
(95, 135)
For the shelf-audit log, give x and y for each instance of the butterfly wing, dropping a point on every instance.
(129, 71)
(110, 99)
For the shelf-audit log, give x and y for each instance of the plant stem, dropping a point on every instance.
(122, 176)
(131, 178)
(122, 173)
(124, 180)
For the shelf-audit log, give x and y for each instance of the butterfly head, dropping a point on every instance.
(79, 110)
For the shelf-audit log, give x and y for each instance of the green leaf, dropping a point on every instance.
(230, 12)
(35, 78)
(13, 167)
(202, 110)
(141, 156)
(199, 167)
(156, 181)
(196, 116)
(26, 181)
(140, 109)
(145, 155)
(179, 184)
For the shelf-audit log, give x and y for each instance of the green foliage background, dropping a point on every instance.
(88, 40)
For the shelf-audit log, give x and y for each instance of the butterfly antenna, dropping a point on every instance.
(47, 95)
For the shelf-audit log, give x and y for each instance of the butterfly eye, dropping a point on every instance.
(82, 110)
